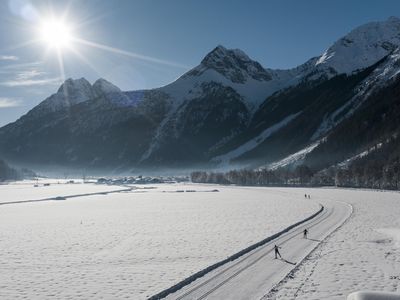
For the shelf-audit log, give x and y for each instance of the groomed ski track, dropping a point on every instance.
(253, 272)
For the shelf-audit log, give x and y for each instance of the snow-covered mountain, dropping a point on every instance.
(234, 69)
(362, 47)
(76, 91)
(233, 64)
(227, 110)
(103, 87)
(70, 93)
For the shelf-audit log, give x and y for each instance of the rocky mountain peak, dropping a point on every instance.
(219, 53)
(102, 86)
(235, 65)
(74, 84)
(74, 91)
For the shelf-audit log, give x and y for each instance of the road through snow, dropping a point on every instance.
(256, 273)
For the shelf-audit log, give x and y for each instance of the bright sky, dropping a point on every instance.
(139, 44)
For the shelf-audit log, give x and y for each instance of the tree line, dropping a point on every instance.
(8, 173)
(380, 169)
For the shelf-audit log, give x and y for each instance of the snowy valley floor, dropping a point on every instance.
(257, 272)
(364, 254)
(128, 245)
(131, 245)
(361, 254)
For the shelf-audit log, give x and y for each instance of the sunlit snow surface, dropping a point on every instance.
(363, 255)
(25, 190)
(129, 245)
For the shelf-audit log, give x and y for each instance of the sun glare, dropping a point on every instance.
(56, 34)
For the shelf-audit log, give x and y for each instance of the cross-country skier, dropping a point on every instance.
(305, 232)
(276, 248)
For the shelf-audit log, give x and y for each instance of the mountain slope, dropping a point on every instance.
(222, 74)
(362, 47)
(101, 131)
(227, 110)
(310, 102)
(351, 129)
(375, 122)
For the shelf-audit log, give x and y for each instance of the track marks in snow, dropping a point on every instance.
(358, 256)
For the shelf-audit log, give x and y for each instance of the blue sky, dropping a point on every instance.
(172, 35)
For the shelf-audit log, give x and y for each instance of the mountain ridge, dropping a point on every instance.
(227, 102)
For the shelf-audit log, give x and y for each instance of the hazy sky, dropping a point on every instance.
(169, 37)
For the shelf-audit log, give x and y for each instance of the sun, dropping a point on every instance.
(56, 34)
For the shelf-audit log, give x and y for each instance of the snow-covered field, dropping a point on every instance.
(135, 244)
(26, 191)
(130, 244)
(364, 254)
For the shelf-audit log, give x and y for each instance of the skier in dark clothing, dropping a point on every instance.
(305, 195)
(305, 232)
(276, 248)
